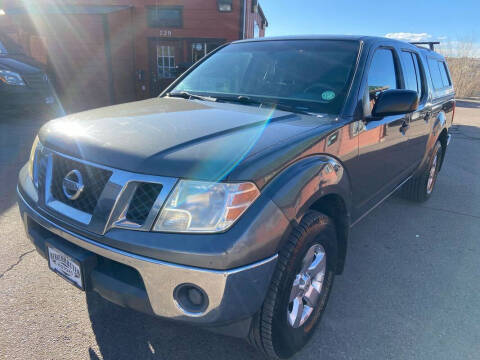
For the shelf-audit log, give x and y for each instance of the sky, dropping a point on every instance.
(413, 20)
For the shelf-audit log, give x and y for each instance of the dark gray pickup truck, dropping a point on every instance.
(227, 201)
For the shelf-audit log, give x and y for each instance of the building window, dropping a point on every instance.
(165, 16)
(225, 5)
(256, 29)
(166, 61)
(255, 6)
(200, 49)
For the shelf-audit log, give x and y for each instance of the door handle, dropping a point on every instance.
(404, 127)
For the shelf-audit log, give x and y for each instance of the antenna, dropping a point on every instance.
(431, 44)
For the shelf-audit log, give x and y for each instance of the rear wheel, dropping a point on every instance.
(420, 187)
(299, 289)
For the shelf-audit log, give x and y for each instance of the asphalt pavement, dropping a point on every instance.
(410, 290)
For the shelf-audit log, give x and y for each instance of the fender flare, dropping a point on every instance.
(306, 181)
(439, 124)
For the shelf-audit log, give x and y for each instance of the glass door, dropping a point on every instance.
(164, 57)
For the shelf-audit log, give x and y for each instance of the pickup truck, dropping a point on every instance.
(227, 201)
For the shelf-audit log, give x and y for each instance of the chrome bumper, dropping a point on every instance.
(232, 294)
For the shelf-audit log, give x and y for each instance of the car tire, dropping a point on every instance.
(277, 330)
(420, 187)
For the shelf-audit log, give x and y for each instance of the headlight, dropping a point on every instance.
(11, 78)
(205, 207)
(32, 161)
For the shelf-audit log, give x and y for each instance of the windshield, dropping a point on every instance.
(308, 75)
(8, 46)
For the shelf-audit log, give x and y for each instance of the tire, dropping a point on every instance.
(272, 332)
(418, 188)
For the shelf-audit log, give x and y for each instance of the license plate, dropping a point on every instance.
(65, 266)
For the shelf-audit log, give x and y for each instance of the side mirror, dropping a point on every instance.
(395, 102)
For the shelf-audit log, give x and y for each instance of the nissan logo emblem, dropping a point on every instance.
(72, 185)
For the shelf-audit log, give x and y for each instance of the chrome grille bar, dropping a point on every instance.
(113, 202)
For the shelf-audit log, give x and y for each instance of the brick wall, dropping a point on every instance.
(252, 18)
(96, 58)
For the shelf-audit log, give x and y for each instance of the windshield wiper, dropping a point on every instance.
(243, 99)
(187, 95)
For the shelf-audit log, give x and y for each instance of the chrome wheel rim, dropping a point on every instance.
(307, 286)
(432, 175)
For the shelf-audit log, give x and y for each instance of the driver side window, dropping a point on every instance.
(382, 74)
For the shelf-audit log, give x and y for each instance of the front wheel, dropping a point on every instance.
(420, 187)
(299, 289)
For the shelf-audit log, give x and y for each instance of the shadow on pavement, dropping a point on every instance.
(468, 104)
(17, 131)
(465, 132)
(126, 334)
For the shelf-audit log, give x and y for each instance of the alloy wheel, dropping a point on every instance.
(432, 175)
(307, 286)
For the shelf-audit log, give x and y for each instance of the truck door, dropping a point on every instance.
(383, 142)
(420, 120)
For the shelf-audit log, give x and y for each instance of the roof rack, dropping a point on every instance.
(431, 44)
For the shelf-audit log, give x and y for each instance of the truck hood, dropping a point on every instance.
(181, 138)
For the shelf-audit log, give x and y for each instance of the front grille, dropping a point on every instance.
(142, 202)
(94, 180)
(36, 81)
(41, 164)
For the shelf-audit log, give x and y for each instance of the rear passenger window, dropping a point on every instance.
(410, 75)
(413, 77)
(382, 74)
(444, 72)
(439, 74)
(420, 74)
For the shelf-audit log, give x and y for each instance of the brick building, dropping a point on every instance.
(101, 52)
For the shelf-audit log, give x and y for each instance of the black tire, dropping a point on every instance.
(416, 189)
(271, 332)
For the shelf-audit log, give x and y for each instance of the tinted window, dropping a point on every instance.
(439, 74)
(164, 16)
(420, 74)
(409, 72)
(444, 73)
(413, 76)
(382, 75)
(311, 75)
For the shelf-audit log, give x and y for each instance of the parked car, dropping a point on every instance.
(227, 201)
(23, 81)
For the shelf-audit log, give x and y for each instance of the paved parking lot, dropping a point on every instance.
(411, 287)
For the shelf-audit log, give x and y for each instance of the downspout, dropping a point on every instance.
(244, 17)
(108, 56)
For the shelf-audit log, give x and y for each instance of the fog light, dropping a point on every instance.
(191, 299)
(195, 296)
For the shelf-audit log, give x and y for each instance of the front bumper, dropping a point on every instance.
(17, 96)
(233, 294)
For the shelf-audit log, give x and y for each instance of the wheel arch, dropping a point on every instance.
(317, 182)
(443, 138)
(334, 206)
(439, 131)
